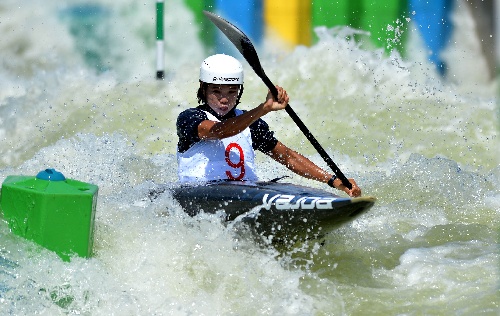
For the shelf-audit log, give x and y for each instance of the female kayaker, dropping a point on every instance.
(217, 140)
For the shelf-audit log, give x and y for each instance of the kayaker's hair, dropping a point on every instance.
(202, 93)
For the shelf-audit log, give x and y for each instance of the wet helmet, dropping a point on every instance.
(221, 69)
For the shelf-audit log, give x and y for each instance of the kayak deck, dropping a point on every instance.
(283, 210)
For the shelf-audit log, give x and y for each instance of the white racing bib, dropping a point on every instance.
(231, 158)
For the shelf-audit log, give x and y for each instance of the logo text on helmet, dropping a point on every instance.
(225, 79)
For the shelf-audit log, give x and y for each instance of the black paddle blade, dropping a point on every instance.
(244, 46)
(234, 34)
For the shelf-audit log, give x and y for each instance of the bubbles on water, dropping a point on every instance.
(433, 225)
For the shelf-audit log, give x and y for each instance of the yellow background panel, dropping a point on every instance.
(291, 19)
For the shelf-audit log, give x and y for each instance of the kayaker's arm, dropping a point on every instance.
(308, 169)
(230, 127)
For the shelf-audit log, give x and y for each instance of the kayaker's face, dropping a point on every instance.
(222, 97)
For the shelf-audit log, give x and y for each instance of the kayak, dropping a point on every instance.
(281, 210)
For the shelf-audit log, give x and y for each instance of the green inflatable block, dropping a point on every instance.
(55, 212)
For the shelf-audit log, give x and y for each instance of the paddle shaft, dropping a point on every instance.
(308, 135)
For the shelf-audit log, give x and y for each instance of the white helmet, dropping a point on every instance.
(221, 69)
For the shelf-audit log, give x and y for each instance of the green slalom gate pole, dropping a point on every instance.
(160, 44)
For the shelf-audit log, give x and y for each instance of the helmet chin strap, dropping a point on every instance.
(239, 96)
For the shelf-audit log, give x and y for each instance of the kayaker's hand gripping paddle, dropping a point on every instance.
(246, 48)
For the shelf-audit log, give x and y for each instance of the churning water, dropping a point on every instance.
(77, 93)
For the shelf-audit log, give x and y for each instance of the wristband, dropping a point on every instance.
(330, 182)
